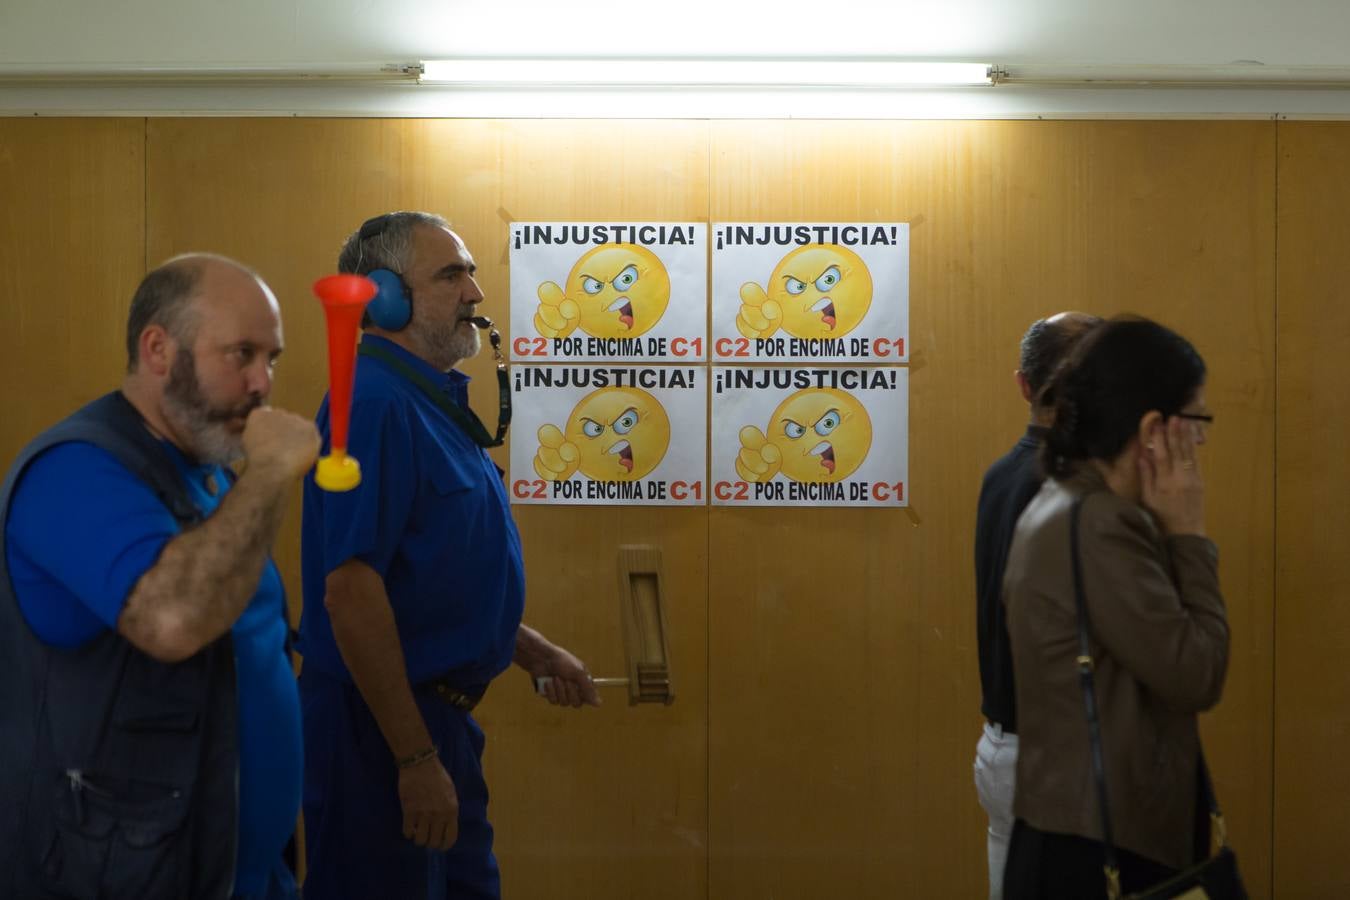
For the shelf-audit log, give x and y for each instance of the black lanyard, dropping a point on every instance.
(469, 423)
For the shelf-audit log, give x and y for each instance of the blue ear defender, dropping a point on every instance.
(391, 309)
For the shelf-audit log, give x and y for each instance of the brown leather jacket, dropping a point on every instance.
(1160, 641)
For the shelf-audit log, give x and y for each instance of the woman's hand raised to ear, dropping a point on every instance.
(1169, 477)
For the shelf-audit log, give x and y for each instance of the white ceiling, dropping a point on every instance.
(314, 35)
(1087, 32)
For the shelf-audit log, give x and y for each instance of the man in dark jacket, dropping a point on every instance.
(149, 719)
(1008, 487)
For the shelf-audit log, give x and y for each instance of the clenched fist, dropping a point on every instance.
(280, 442)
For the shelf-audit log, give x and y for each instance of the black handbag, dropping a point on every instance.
(1215, 878)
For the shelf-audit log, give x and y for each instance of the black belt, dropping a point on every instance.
(464, 699)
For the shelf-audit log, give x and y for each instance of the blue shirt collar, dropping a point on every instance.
(444, 380)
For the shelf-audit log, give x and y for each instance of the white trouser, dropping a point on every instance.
(995, 779)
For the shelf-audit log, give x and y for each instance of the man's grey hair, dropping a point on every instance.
(1048, 343)
(384, 242)
(164, 298)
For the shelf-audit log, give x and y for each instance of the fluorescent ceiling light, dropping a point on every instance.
(149, 74)
(712, 73)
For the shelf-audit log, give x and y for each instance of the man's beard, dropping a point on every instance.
(450, 343)
(201, 425)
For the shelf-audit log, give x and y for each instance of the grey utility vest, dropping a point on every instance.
(117, 772)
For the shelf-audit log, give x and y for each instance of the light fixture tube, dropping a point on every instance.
(711, 73)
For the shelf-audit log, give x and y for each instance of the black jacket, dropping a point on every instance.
(1008, 487)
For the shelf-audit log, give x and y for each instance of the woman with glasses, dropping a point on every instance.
(1130, 415)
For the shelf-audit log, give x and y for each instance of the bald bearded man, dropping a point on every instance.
(149, 719)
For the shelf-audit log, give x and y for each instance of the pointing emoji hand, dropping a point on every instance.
(557, 458)
(759, 316)
(557, 316)
(759, 460)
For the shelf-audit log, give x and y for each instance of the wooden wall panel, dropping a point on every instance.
(1312, 626)
(584, 803)
(72, 247)
(612, 803)
(828, 697)
(843, 693)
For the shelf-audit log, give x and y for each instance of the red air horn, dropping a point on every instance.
(344, 299)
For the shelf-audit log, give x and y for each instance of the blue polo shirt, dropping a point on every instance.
(431, 516)
(81, 532)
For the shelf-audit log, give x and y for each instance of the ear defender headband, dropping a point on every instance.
(391, 308)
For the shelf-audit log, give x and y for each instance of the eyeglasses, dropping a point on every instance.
(1207, 418)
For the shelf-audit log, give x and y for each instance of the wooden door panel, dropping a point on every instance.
(1312, 625)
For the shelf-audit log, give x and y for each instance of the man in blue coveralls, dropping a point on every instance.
(414, 589)
(149, 719)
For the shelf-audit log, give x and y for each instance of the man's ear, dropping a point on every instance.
(157, 349)
(1023, 386)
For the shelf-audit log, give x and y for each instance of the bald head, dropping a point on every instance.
(167, 296)
(202, 339)
(1046, 344)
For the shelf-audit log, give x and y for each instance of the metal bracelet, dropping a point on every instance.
(421, 756)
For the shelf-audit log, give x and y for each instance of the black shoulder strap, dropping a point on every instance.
(466, 419)
(1085, 664)
(113, 424)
